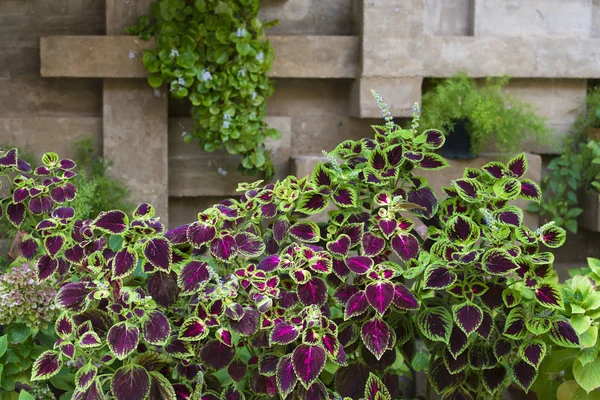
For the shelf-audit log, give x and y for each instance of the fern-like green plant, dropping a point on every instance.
(493, 116)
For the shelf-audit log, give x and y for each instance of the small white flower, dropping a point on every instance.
(252, 116)
(253, 95)
(131, 54)
(242, 72)
(222, 172)
(241, 32)
(205, 76)
(260, 56)
(181, 81)
(174, 52)
(156, 92)
(226, 124)
(183, 133)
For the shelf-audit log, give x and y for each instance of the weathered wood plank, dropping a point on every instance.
(194, 172)
(135, 119)
(120, 56)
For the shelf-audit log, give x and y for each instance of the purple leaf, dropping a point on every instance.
(15, 213)
(434, 138)
(156, 328)
(177, 235)
(404, 299)
(405, 245)
(553, 236)
(130, 382)
(354, 231)
(372, 245)
(63, 326)
(124, 263)
(280, 229)
(533, 352)
(388, 226)
(518, 165)
(313, 292)
(524, 375)
(462, 230)
(494, 169)
(549, 295)
(339, 268)
(111, 222)
(46, 267)
(286, 377)
(46, 366)
(29, 248)
(20, 194)
(58, 194)
(63, 213)
(85, 376)
(237, 370)
(468, 189)
(437, 277)
(216, 355)
(305, 231)
(357, 304)
(563, 334)
(498, 262)
(68, 350)
(231, 393)
(193, 276)
(200, 233)
(158, 253)
(435, 323)
(487, 323)
(284, 333)
(160, 387)
(248, 325)
(350, 381)
(432, 161)
(468, 317)
(269, 263)
(249, 245)
(380, 296)
(311, 203)
(457, 342)
(123, 339)
(359, 264)
(493, 379)
(512, 216)
(375, 389)
(144, 210)
(344, 197)
(72, 296)
(268, 364)
(308, 362)
(40, 205)
(193, 329)
(9, 159)
(425, 198)
(223, 248)
(530, 190)
(375, 335)
(441, 379)
(163, 288)
(341, 246)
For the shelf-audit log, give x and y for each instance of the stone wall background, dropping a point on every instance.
(48, 114)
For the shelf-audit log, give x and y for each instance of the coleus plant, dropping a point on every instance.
(254, 298)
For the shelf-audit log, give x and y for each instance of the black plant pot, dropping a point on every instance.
(458, 142)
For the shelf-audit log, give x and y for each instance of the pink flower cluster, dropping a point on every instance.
(24, 299)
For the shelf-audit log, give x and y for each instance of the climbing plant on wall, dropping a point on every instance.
(213, 53)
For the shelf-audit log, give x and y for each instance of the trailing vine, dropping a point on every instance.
(213, 53)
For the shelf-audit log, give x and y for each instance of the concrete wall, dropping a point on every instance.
(401, 43)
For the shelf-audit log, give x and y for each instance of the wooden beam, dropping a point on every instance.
(120, 56)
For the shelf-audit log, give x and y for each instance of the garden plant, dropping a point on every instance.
(214, 54)
(485, 111)
(255, 299)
